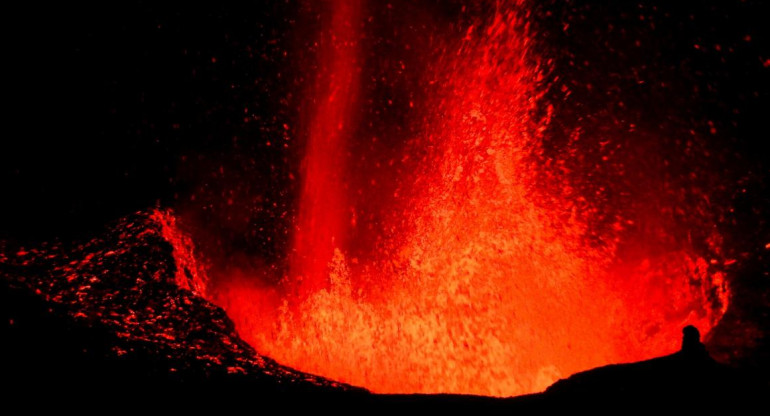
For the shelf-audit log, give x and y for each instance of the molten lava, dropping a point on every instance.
(492, 271)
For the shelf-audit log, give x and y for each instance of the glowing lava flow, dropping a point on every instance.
(491, 282)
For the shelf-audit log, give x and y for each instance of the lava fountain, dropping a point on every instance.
(491, 269)
(320, 221)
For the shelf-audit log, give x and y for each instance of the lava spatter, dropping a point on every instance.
(494, 277)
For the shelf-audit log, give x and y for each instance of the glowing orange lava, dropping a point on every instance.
(490, 282)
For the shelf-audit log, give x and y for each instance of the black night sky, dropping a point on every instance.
(112, 108)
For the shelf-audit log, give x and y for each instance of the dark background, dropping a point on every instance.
(107, 102)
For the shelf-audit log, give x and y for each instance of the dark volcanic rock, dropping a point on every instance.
(110, 313)
(689, 377)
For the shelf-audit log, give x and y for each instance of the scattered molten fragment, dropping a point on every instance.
(127, 282)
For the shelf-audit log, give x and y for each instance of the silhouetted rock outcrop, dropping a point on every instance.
(688, 377)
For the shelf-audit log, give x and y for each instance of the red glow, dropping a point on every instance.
(494, 279)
